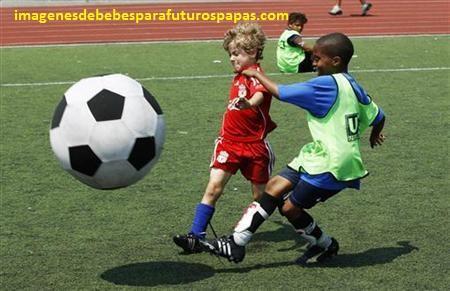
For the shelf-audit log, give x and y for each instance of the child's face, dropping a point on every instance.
(297, 26)
(239, 58)
(324, 64)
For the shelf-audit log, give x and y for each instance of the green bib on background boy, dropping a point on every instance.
(288, 57)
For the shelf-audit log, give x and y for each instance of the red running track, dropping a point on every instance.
(387, 17)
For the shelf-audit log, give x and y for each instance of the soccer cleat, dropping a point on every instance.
(227, 248)
(331, 251)
(310, 253)
(365, 8)
(325, 254)
(336, 10)
(189, 243)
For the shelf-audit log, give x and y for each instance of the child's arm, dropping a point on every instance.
(270, 85)
(307, 47)
(298, 41)
(376, 137)
(244, 103)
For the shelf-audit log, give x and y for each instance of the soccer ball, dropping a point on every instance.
(107, 131)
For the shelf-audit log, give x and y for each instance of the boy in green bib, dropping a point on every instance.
(338, 112)
(293, 54)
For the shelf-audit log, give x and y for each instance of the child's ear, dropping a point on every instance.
(337, 61)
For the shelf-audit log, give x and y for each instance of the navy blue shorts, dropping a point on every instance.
(305, 195)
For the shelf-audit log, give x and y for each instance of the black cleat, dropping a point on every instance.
(325, 254)
(189, 243)
(330, 252)
(310, 253)
(227, 248)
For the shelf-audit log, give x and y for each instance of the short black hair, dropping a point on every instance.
(337, 44)
(297, 16)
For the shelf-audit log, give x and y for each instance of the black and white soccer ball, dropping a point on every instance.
(107, 131)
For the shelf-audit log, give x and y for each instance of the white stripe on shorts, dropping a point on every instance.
(216, 143)
(271, 156)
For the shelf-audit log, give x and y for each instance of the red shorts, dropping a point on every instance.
(255, 160)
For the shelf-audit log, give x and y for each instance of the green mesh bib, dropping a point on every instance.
(336, 137)
(288, 57)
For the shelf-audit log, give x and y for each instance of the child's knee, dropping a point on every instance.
(290, 210)
(213, 190)
(277, 186)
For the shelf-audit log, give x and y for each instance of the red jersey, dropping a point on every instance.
(252, 124)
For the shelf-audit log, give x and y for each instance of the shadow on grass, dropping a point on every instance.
(173, 273)
(157, 273)
(370, 257)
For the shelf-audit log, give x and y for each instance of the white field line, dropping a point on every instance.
(201, 77)
(199, 41)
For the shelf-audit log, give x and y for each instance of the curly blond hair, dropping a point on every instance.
(247, 36)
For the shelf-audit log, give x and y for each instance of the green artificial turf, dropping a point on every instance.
(57, 233)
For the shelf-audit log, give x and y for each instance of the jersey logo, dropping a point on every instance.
(222, 157)
(242, 91)
(352, 125)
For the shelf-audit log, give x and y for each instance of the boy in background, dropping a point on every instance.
(242, 143)
(338, 112)
(293, 54)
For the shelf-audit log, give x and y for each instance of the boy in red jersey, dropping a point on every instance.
(242, 143)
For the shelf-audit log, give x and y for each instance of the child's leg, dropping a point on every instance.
(233, 247)
(257, 190)
(336, 10)
(365, 7)
(305, 196)
(305, 225)
(218, 178)
(204, 211)
(258, 211)
(224, 164)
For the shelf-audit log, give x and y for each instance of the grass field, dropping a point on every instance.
(57, 233)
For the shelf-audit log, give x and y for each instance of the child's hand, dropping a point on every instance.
(249, 73)
(376, 140)
(241, 103)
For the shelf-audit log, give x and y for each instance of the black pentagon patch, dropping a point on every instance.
(84, 160)
(106, 105)
(152, 101)
(59, 111)
(143, 152)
